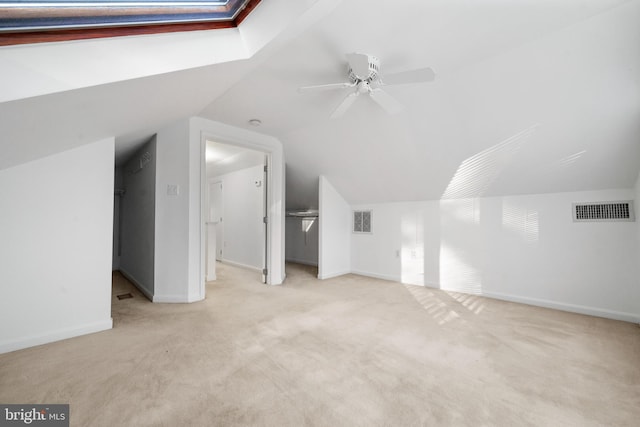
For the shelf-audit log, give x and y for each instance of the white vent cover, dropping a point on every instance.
(603, 211)
(362, 221)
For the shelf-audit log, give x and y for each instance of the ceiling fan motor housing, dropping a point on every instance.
(374, 69)
(364, 78)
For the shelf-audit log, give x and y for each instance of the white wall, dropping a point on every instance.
(302, 240)
(179, 233)
(519, 248)
(138, 218)
(242, 213)
(56, 246)
(334, 258)
(637, 212)
(172, 256)
(118, 185)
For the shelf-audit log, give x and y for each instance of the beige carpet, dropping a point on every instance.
(350, 351)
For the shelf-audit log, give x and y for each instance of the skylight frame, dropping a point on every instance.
(35, 21)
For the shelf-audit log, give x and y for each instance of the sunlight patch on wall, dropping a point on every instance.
(465, 210)
(521, 221)
(476, 174)
(412, 252)
(456, 274)
(412, 265)
(532, 227)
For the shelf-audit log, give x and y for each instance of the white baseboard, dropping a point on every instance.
(178, 299)
(573, 308)
(55, 335)
(241, 265)
(171, 299)
(138, 285)
(331, 275)
(376, 276)
(302, 261)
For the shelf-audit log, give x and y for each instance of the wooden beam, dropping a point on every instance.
(7, 39)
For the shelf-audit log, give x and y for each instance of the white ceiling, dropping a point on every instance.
(531, 96)
(563, 72)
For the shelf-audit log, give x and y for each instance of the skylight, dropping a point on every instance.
(50, 19)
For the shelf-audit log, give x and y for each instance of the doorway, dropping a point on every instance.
(236, 212)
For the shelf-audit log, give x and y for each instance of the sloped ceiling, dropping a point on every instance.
(57, 96)
(131, 110)
(530, 97)
(224, 158)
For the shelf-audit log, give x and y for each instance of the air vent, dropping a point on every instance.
(603, 211)
(362, 221)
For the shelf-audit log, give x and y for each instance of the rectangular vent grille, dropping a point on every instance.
(603, 211)
(362, 221)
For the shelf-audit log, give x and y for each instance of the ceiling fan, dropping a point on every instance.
(364, 78)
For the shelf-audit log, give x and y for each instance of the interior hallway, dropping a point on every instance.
(345, 351)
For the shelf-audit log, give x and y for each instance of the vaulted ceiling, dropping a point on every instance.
(529, 97)
(535, 97)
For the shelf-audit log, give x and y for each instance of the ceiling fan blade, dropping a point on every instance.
(420, 75)
(344, 105)
(359, 63)
(320, 88)
(386, 101)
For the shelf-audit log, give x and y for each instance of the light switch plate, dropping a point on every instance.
(173, 189)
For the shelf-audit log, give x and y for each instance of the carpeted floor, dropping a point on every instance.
(349, 351)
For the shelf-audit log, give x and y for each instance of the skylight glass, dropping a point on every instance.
(38, 15)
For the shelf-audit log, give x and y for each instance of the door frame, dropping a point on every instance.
(219, 225)
(274, 189)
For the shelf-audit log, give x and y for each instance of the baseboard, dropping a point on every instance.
(573, 308)
(194, 298)
(57, 335)
(171, 299)
(241, 265)
(331, 275)
(138, 285)
(302, 261)
(376, 275)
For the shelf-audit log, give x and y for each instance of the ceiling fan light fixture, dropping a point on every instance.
(364, 75)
